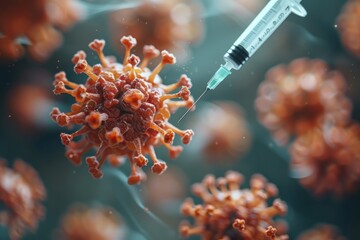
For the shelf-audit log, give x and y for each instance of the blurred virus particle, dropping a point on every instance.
(38, 22)
(328, 160)
(348, 26)
(21, 196)
(321, 232)
(299, 97)
(166, 24)
(91, 223)
(123, 110)
(241, 10)
(228, 212)
(223, 132)
(28, 104)
(163, 194)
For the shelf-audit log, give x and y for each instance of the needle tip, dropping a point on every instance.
(207, 89)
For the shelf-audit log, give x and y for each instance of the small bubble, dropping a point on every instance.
(9, 115)
(335, 25)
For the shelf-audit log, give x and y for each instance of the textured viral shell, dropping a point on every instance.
(230, 212)
(302, 96)
(122, 109)
(22, 193)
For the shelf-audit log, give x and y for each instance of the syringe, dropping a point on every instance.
(259, 30)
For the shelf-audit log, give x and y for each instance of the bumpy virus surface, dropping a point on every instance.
(228, 212)
(166, 24)
(123, 110)
(348, 25)
(223, 131)
(38, 21)
(91, 223)
(21, 194)
(329, 159)
(296, 98)
(321, 232)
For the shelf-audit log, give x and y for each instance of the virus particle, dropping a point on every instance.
(163, 194)
(229, 212)
(321, 232)
(123, 110)
(297, 98)
(91, 223)
(21, 194)
(240, 10)
(223, 131)
(38, 21)
(348, 26)
(328, 159)
(166, 24)
(28, 104)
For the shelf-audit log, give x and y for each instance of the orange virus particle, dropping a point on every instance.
(321, 232)
(123, 110)
(166, 24)
(91, 223)
(222, 131)
(21, 194)
(348, 26)
(241, 10)
(163, 194)
(299, 97)
(28, 104)
(228, 212)
(38, 21)
(328, 159)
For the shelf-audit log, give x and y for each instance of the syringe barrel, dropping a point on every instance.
(260, 29)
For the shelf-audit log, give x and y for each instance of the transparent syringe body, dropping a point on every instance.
(260, 29)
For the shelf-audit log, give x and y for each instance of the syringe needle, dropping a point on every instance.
(206, 90)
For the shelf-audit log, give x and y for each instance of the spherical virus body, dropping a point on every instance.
(37, 21)
(123, 110)
(321, 232)
(228, 212)
(348, 26)
(27, 104)
(301, 96)
(21, 194)
(91, 223)
(166, 24)
(222, 131)
(329, 159)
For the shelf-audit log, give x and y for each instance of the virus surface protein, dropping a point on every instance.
(91, 223)
(329, 159)
(228, 212)
(321, 232)
(21, 194)
(301, 96)
(123, 110)
(37, 21)
(348, 26)
(166, 24)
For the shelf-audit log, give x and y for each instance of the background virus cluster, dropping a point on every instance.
(38, 21)
(272, 154)
(308, 101)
